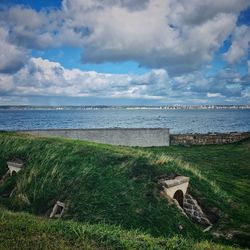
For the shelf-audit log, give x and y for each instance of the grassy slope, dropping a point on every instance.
(99, 183)
(116, 185)
(226, 173)
(23, 231)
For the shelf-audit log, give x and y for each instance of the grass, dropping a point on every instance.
(117, 186)
(24, 231)
(225, 171)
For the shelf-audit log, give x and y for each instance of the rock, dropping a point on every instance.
(193, 210)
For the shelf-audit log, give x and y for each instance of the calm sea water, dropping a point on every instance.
(179, 121)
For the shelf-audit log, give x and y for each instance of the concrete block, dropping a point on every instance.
(15, 166)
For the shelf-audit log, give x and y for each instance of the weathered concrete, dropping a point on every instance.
(57, 210)
(143, 137)
(176, 188)
(14, 166)
(209, 138)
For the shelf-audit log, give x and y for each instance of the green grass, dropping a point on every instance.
(117, 185)
(225, 170)
(22, 231)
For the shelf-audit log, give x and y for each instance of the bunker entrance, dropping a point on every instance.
(58, 210)
(179, 197)
(13, 173)
(15, 166)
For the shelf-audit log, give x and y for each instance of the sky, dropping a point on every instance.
(124, 52)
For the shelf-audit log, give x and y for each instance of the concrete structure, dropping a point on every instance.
(176, 188)
(15, 166)
(58, 210)
(143, 137)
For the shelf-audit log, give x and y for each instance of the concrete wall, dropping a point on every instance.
(144, 137)
(206, 139)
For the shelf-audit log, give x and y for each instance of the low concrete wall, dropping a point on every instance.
(206, 139)
(143, 137)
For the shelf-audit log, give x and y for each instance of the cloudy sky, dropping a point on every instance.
(123, 52)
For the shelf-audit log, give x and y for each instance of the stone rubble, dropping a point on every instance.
(194, 211)
(207, 139)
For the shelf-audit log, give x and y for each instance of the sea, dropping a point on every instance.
(178, 121)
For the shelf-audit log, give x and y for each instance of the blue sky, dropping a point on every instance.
(124, 52)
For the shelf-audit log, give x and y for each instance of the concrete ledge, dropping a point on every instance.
(15, 164)
(143, 137)
(176, 181)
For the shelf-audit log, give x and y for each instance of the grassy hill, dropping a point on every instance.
(22, 231)
(117, 186)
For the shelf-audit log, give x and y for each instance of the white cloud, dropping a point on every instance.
(41, 77)
(179, 36)
(12, 58)
(13, 100)
(147, 36)
(213, 95)
(240, 45)
(172, 38)
(195, 12)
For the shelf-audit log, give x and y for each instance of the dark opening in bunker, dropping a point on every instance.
(179, 197)
(13, 173)
(59, 210)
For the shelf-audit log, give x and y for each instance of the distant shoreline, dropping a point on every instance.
(129, 107)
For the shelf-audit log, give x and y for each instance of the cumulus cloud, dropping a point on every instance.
(179, 36)
(41, 77)
(31, 29)
(240, 45)
(152, 37)
(195, 12)
(174, 39)
(12, 58)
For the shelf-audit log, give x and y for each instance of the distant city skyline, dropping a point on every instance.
(124, 52)
(92, 107)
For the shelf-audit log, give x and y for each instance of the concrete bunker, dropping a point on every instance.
(176, 188)
(57, 210)
(14, 166)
